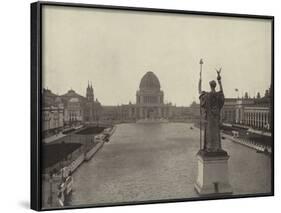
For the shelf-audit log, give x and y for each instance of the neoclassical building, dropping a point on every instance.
(80, 109)
(52, 112)
(149, 101)
(252, 112)
(68, 109)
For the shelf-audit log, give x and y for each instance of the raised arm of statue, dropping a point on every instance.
(219, 79)
(220, 84)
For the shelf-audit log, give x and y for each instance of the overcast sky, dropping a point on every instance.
(114, 49)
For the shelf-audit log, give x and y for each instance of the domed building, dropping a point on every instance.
(149, 101)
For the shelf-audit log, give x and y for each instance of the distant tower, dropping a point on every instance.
(90, 102)
(90, 93)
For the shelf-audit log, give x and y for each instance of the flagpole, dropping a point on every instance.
(201, 63)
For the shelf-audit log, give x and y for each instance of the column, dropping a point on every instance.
(266, 119)
(255, 116)
(254, 119)
(262, 119)
(145, 112)
(258, 120)
(250, 118)
(159, 111)
(140, 112)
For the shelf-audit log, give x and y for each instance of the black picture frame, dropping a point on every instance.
(36, 100)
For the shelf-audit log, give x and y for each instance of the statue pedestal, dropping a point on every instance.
(212, 173)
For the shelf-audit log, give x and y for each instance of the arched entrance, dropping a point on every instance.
(152, 113)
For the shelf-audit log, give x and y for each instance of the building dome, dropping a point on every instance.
(150, 81)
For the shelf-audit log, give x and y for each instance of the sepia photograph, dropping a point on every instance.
(147, 106)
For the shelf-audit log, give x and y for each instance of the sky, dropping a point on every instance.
(113, 49)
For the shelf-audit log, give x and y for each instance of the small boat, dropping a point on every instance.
(106, 138)
(99, 138)
(69, 183)
(64, 190)
(265, 151)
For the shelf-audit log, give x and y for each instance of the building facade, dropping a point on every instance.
(149, 101)
(258, 117)
(252, 112)
(73, 113)
(52, 112)
(80, 109)
(150, 105)
(69, 109)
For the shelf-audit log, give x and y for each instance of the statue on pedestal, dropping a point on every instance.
(212, 175)
(211, 104)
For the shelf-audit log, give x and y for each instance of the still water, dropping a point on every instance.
(158, 161)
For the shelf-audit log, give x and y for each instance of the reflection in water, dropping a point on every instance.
(157, 161)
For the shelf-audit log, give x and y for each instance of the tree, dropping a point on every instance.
(258, 95)
(246, 96)
(270, 90)
(266, 93)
